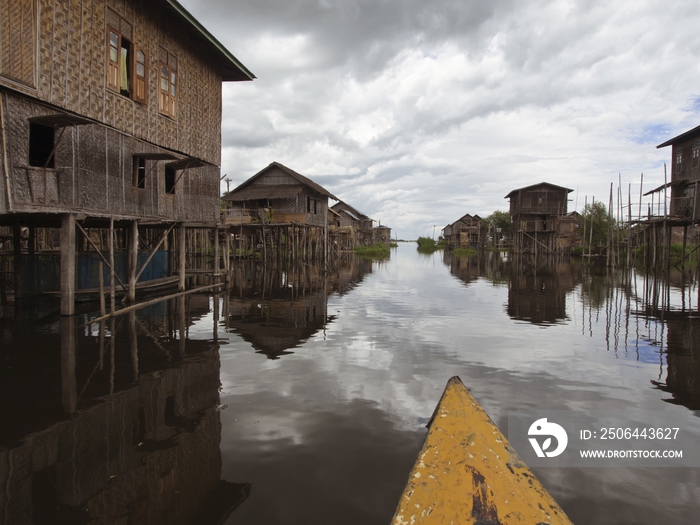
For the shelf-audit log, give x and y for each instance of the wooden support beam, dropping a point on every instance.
(153, 252)
(181, 257)
(149, 303)
(215, 231)
(17, 258)
(68, 264)
(132, 254)
(133, 346)
(112, 273)
(69, 387)
(87, 237)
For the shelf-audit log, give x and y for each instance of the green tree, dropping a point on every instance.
(597, 215)
(500, 219)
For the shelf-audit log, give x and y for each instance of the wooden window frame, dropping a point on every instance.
(139, 179)
(137, 84)
(167, 90)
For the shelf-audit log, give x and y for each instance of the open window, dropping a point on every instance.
(170, 179)
(139, 173)
(41, 145)
(127, 65)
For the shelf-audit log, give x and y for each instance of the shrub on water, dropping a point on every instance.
(376, 251)
(427, 245)
(464, 252)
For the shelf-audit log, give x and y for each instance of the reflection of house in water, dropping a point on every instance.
(275, 309)
(682, 359)
(348, 271)
(112, 425)
(466, 269)
(537, 294)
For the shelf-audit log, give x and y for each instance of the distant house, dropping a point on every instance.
(381, 234)
(353, 224)
(466, 231)
(685, 174)
(538, 215)
(447, 234)
(277, 195)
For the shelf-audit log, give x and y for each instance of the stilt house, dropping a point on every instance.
(279, 206)
(277, 195)
(537, 213)
(466, 231)
(354, 225)
(111, 119)
(685, 174)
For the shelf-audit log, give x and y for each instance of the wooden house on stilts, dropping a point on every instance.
(111, 134)
(539, 220)
(280, 213)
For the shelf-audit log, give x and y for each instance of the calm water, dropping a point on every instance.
(301, 397)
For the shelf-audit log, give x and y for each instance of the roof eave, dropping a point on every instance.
(687, 135)
(240, 72)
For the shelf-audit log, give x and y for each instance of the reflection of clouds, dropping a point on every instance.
(398, 338)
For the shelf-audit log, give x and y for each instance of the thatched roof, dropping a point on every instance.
(283, 189)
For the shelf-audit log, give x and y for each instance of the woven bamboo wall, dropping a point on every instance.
(18, 42)
(94, 174)
(72, 69)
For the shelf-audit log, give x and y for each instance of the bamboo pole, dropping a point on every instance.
(112, 273)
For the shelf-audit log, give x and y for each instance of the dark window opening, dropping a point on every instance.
(41, 143)
(139, 172)
(308, 204)
(315, 208)
(696, 157)
(170, 180)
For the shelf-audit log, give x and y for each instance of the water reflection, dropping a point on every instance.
(329, 434)
(276, 307)
(113, 422)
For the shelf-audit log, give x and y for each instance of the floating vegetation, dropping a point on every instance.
(375, 251)
(465, 252)
(428, 245)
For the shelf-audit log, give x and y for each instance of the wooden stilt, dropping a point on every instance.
(17, 259)
(68, 264)
(112, 294)
(217, 263)
(103, 308)
(69, 389)
(133, 346)
(181, 261)
(132, 258)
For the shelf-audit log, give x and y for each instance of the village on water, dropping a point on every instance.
(110, 204)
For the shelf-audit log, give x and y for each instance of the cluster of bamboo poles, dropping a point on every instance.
(627, 232)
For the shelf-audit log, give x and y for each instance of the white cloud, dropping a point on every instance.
(418, 112)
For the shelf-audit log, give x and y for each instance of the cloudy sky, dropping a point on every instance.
(419, 111)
